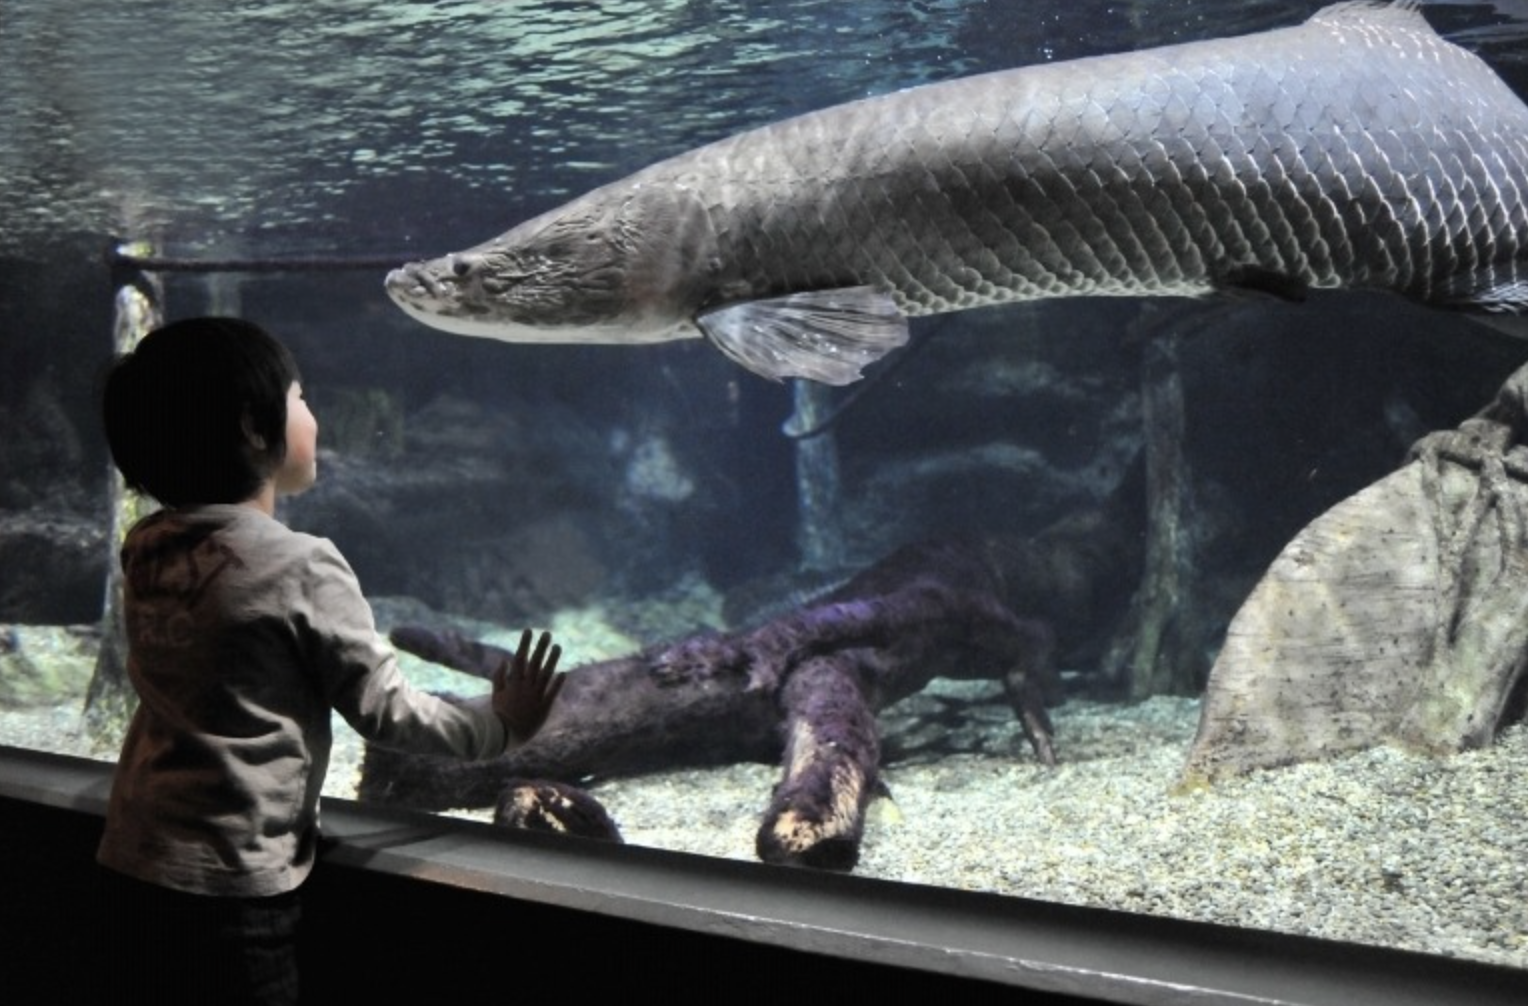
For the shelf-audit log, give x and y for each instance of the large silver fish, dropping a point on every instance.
(1359, 149)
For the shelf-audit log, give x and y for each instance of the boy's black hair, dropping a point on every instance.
(187, 410)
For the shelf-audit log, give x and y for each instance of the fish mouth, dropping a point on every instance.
(416, 283)
(442, 294)
(432, 292)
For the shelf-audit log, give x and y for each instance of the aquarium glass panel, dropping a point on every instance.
(1168, 556)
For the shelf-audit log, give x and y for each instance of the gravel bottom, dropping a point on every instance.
(1381, 847)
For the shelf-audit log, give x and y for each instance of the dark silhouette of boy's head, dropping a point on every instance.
(197, 412)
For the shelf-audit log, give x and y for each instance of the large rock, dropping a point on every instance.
(1399, 616)
(45, 665)
(55, 567)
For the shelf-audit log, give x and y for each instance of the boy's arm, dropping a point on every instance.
(357, 670)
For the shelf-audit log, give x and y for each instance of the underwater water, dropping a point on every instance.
(630, 496)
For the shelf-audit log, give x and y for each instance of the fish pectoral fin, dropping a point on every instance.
(823, 335)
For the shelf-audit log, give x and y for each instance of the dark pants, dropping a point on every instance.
(165, 947)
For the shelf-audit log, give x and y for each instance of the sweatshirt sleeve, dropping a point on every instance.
(359, 676)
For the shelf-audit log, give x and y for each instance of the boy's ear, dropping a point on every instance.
(255, 440)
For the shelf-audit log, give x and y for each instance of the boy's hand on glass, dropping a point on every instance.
(525, 687)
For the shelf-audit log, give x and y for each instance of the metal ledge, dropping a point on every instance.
(1057, 950)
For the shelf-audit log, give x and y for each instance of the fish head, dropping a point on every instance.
(623, 264)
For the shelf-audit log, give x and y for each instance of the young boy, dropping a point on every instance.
(243, 635)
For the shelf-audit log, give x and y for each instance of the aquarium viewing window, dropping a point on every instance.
(1194, 609)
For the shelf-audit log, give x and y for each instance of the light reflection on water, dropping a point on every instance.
(372, 126)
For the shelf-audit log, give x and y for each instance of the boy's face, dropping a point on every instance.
(299, 470)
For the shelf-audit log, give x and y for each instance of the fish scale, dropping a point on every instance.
(1359, 149)
(1063, 234)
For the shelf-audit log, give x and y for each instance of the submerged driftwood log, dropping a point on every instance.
(806, 685)
(1399, 616)
(802, 689)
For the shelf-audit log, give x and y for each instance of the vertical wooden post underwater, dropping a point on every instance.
(1162, 650)
(818, 536)
(1166, 585)
(109, 702)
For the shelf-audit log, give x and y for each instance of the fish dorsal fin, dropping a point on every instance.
(824, 335)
